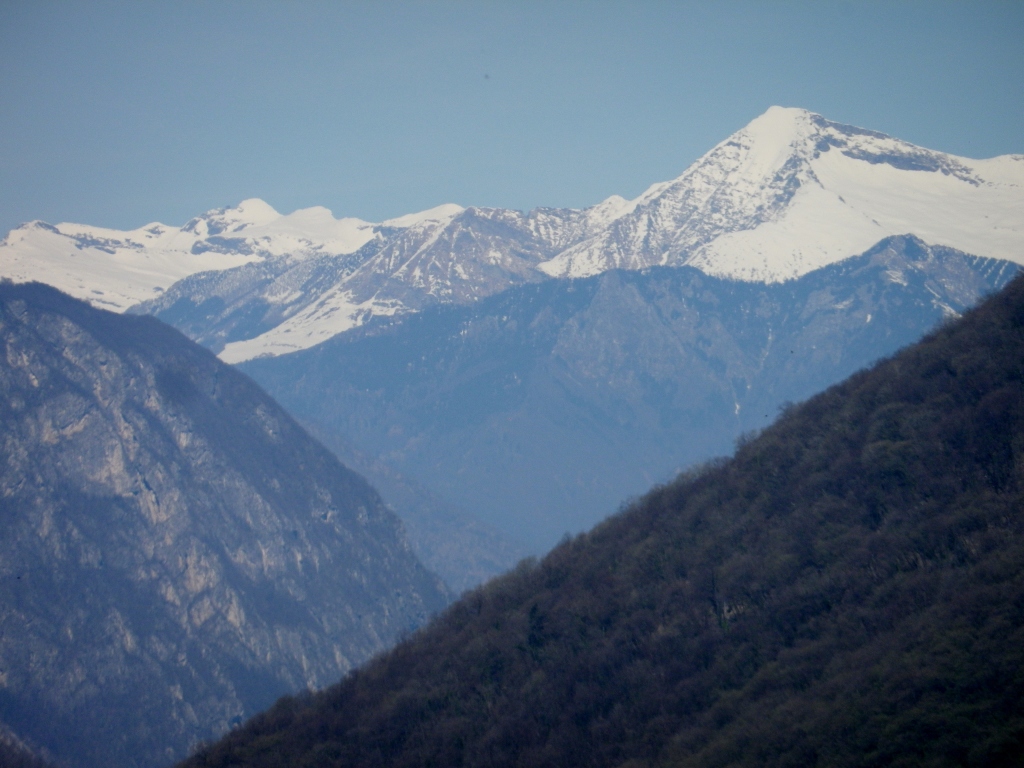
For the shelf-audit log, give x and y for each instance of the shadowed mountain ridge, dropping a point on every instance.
(540, 409)
(848, 590)
(176, 552)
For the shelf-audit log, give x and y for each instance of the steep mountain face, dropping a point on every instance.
(539, 410)
(789, 193)
(793, 192)
(847, 591)
(282, 305)
(176, 551)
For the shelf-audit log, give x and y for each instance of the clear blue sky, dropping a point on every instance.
(119, 114)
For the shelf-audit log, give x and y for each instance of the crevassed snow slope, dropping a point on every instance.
(792, 192)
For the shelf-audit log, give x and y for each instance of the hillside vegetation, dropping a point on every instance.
(848, 590)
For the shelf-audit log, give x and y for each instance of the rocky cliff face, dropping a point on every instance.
(176, 552)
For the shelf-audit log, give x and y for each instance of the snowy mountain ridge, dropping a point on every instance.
(793, 192)
(788, 194)
(116, 269)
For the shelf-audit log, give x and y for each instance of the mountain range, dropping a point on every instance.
(789, 193)
(568, 357)
(544, 407)
(176, 552)
(847, 590)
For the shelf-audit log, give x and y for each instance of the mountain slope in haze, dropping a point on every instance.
(848, 590)
(539, 410)
(789, 193)
(452, 543)
(176, 551)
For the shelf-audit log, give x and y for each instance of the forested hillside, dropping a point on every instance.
(848, 590)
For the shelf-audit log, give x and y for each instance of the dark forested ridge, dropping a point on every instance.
(175, 551)
(848, 590)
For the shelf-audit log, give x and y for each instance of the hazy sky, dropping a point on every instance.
(119, 114)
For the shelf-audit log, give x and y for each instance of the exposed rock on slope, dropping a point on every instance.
(793, 192)
(176, 551)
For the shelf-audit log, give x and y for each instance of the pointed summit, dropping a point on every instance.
(786, 194)
(771, 139)
(791, 192)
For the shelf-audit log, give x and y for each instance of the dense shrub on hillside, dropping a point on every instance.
(848, 590)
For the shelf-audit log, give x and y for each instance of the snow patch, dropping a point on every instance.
(442, 213)
(332, 314)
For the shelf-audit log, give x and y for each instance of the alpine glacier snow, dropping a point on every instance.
(788, 194)
(114, 269)
(793, 192)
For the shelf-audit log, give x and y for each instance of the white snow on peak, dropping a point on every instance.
(305, 232)
(441, 214)
(608, 210)
(788, 193)
(116, 269)
(225, 221)
(792, 192)
(770, 138)
(780, 126)
(254, 211)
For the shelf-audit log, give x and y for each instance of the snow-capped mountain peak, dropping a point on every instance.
(786, 194)
(248, 213)
(792, 192)
(112, 269)
(770, 140)
(439, 214)
(608, 210)
(116, 269)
